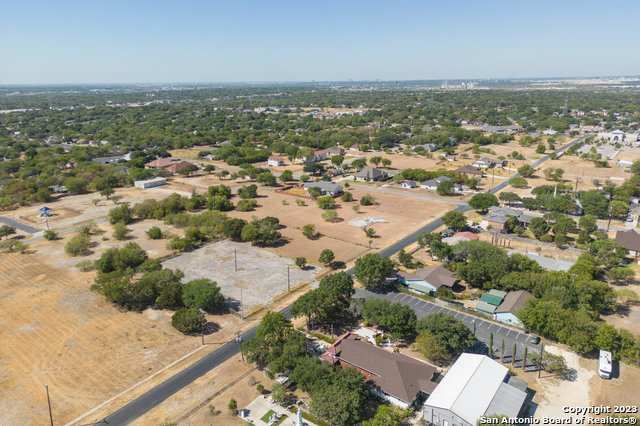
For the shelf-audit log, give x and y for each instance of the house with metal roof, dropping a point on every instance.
(512, 303)
(548, 263)
(428, 279)
(370, 174)
(490, 301)
(471, 171)
(327, 188)
(476, 386)
(397, 378)
(159, 163)
(409, 184)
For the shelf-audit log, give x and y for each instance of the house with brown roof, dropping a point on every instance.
(512, 303)
(428, 279)
(176, 167)
(471, 171)
(630, 240)
(397, 378)
(160, 163)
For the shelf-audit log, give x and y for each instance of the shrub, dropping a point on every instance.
(50, 235)
(154, 233)
(367, 200)
(246, 205)
(326, 257)
(346, 196)
(232, 407)
(309, 231)
(86, 265)
(301, 262)
(300, 202)
(120, 231)
(326, 202)
(122, 214)
(78, 245)
(330, 216)
(232, 228)
(187, 320)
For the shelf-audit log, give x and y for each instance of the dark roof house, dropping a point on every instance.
(398, 378)
(630, 240)
(470, 170)
(370, 173)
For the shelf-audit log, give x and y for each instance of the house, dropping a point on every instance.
(624, 163)
(318, 155)
(429, 147)
(448, 157)
(513, 302)
(150, 183)
(476, 386)
(355, 147)
(484, 163)
(370, 174)
(176, 167)
(334, 150)
(471, 171)
(275, 161)
(548, 263)
(428, 279)
(498, 217)
(630, 240)
(399, 379)
(327, 188)
(160, 163)
(433, 183)
(490, 301)
(409, 184)
(634, 211)
(467, 234)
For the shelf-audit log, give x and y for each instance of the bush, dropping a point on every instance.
(86, 265)
(232, 407)
(346, 196)
(154, 233)
(187, 320)
(301, 262)
(246, 205)
(300, 202)
(260, 388)
(309, 231)
(326, 257)
(367, 200)
(122, 214)
(330, 216)
(120, 231)
(50, 235)
(546, 238)
(326, 202)
(78, 245)
(249, 191)
(232, 228)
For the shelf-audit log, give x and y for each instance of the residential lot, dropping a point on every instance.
(261, 274)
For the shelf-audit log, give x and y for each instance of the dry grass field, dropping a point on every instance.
(403, 215)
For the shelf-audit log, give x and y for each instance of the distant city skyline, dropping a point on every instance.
(119, 42)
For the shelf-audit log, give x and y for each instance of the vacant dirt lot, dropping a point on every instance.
(56, 331)
(403, 215)
(261, 274)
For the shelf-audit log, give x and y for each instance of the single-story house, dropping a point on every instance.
(634, 211)
(548, 263)
(275, 161)
(490, 301)
(630, 240)
(397, 378)
(160, 163)
(467, 234)
(409, 184)
(327, 188)
(428, 279)
(334, 150)
(429, 147)
(370, 174)
(484, 163)
(453, 240)
(471, 171)
(433, 183)
(176, 167)
(624, 163)
(318, 155)
(476, 386)
(513, 302)
(150, 183)
(498, 216)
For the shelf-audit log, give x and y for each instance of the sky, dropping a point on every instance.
(137, 41)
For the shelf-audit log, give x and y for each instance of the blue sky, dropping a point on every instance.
(116, 41)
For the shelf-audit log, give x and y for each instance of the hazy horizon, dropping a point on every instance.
(202, 42)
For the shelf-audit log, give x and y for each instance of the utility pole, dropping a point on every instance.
(241, 306)
(239, 340)
(202, 323)
(49, 402)
(235, 261)
(540, 365)
(609, 222)
(288, 280)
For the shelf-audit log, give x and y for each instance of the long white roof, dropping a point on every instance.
(469, 386)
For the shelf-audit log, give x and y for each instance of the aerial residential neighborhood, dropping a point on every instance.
(288, 214)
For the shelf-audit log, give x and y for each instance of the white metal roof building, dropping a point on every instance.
(475, 386)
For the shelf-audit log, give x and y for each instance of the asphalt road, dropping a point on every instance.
(19, 225)
(164, 390)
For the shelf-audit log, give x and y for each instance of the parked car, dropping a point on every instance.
(535, 339)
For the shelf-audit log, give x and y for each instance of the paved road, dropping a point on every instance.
(19, 225)
(164, 390)
(483, 328)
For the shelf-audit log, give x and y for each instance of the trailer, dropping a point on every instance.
(605, 364)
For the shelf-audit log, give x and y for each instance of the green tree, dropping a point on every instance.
(249, 191)
(346, 196)
(337, 160)
(309, 231)
(539, 227)
(232, 407)
(405, 259)
(518, 182)
(427, 344)
(341, 400)
(372, 270)
(286, 176)
(330, 216)
(232, 228)
(509, 197)
(202, 293)
(451, 334)
(301, 262)
(278, 392)
(586, 266)
(607, 252)
(326, 202)
(6, 230)
(455, 220)
(120, 231)
(122, 214)
(386, 416)
(445, 187)
(267, 178)
(526, 171)
(595, 203)
(483, 201)
(187, 320)
(78, 245)
(540, 149)
(367, 200)
(154, 233)
(49, 235)
(326, 257)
